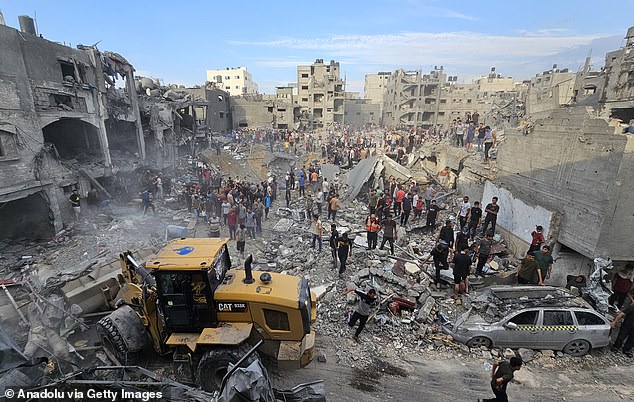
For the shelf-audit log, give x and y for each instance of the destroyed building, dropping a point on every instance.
(321, 93)
(413, 98)
(59, 121)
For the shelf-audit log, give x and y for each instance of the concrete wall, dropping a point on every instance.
(574, 165)
(517, 217)
(251, 113)
(360, 112)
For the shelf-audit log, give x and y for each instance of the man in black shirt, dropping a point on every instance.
(483, 250)
(475, 216)
(446, 234)
(432, 213)
(492, 210)
(344, 249)
(462, 266)
(627, 329)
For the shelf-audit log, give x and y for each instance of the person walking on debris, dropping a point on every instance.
(545, 261)
(462, 267)
(389, 233)
(241, 239)
(333, 241)
(622, 284)
(344, 250)
(529, 272)
(146, 202)
(316, 228)
(626, 333)
(491, 210)
(483, 250)
(75, 202)
(432, 213)
(501, 375)
(372, 228)
(439, 253)
(364, 308)
(309, 206)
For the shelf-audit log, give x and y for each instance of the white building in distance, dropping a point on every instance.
(237, 81)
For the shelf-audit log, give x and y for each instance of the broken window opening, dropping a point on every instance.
(63, 102)
(27, 217)
(68, 71)
(73, 139)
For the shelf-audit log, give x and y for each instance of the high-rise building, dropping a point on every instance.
(237, 81)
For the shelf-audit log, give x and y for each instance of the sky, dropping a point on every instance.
(179, 41)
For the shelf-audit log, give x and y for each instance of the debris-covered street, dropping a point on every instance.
(216, 243)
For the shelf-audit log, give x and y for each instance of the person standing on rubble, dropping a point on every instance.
(232, 222)
(407, 209)
(461, 270)
(344, 250)
(372, 228)
(389, 233)
(626, 333)
(492, 211)
(364, 308)
(622, 284)
(463, 215)
(214, 225)
(309, 206)
(483, 250)
(475, 216)
(537, 239)
(432, 213)
(440, 253)
(301, 181)
(317, 230)
(319, 201)
(241, 239)
(372, 200)
(489, 142)
(429, 194)
(75, 202)
(501, 375)
(334, 206)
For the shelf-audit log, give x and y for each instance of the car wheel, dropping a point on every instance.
(479, 341)
(577, 347)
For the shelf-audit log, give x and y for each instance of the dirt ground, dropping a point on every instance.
(452, 378)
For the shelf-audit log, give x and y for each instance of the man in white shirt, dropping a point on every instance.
(465, 208)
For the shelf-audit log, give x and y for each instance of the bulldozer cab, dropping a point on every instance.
(187, 273)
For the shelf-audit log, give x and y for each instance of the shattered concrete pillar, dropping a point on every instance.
(135, 108)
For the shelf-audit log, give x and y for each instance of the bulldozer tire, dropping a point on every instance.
(113, 341)
(214, 364)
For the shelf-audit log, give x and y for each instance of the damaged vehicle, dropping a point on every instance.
(532, 317)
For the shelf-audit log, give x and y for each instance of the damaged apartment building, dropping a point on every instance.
(57, 127)
(574, 174)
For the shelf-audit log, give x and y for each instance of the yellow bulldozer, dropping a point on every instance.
(187, 302)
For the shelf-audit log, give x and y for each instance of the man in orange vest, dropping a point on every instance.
(372, 228)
